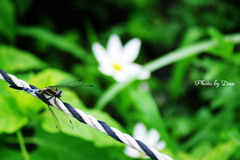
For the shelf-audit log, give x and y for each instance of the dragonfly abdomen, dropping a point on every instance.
(31, 90)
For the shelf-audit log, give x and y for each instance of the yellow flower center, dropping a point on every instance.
(141, 154)
(117, 67)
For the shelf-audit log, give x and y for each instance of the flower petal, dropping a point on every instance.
(133, 69)
(132, 152)
(114, 46)
(153, 137)
(100, 53)
(140, 132)
(161, 145)
(120, 76)
(144, 74)
(131, 50)
(105, 69)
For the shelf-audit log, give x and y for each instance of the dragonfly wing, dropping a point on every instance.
(55, 119)
(63, 116)
(70, 84)
(73, 84)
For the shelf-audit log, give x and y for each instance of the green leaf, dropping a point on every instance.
(52, 77)
(192, 35)
(60, 146)
(201, 149)
(224, 96)
(10, 154)
(109, 94)
(58, 41)
(23, 6)
(12, 117)
(180, 68)
(178, 75)
(13, 59)
(146, 104)
(208, 131)
(7, 24)
(185, 156)
(225, 48)
(222, 152)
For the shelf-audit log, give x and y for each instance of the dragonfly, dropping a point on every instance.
(55, 93)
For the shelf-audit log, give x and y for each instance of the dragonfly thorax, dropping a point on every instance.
(51, 92)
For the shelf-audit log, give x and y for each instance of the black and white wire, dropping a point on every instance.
(86, 119)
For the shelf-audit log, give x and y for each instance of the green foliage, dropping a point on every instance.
(224, 48)
(184, 41)
(7, 25)
(49, 38)
(14, 119)
(19, 60)
(222, 151)
(145, 103)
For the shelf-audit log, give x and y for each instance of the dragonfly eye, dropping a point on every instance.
(59, 93)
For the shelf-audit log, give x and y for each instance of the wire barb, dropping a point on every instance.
(18, 84)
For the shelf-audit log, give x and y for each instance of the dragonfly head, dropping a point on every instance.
(59, 93)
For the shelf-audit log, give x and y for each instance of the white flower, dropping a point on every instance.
(117, 61)
(150, 138)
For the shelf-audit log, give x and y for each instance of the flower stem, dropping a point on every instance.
(178, 55)
(161, 62)
(22, 145)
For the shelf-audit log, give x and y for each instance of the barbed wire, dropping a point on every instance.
(82, 117)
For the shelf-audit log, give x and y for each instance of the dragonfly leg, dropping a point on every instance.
(65, 115)
(55, 119)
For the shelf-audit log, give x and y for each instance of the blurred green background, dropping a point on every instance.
(49, 42)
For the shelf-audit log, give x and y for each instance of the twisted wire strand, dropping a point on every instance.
(82, 117)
